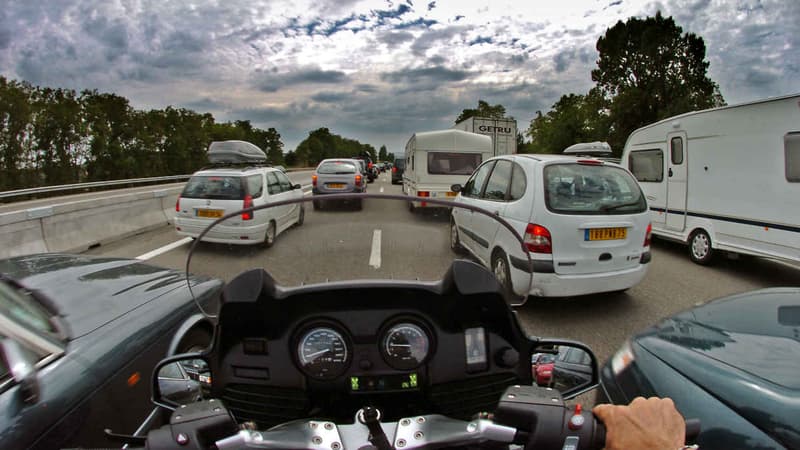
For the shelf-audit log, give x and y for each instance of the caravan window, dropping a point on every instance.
(791, 144)
(676, 145)
(440, 163)
(647, 165)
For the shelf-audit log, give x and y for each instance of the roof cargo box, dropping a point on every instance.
(589, 148)
(235, 152)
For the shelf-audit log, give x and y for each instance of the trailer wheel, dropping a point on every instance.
(700, 249)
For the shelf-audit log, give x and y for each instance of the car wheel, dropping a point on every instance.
(359, 205)
(301, 217)
(269, 236)
(317, 204)
(700, 248)
(501, 271)
(195, 340)
(411, 206)
(455, 242)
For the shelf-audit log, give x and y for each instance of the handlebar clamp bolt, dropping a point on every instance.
(420, 419)
(328, 426)
(401, 442)
(336, 446)
(182, 439)
(419, 435)
(405, 422)
(313, 425)
(316, 440)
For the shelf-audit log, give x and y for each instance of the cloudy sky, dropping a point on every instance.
(375, 71)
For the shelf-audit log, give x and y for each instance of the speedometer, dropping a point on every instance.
(405, 346)
(322, 353)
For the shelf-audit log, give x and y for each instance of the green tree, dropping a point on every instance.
(573, 118)
(484, 109)
(15, 130)
(274, 147)
(390, 157)
(58, 132)
(382, 154)
(648, 69)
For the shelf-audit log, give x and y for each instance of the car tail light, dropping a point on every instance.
(248, 203)
(537, 239)
(358, 180)
(313, 180)
(178, 204)
(423, 194)
(648, 235)
(394, 169)
(590, 162)
(370, 165)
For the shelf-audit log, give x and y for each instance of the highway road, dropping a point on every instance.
(340, 243)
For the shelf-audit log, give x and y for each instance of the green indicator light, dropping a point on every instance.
(412, 378)
(354, 383)
(405, 385)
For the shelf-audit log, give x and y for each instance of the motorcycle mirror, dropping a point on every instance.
(180, 380)
(569, 367)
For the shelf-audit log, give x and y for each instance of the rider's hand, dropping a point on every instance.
(653, 423)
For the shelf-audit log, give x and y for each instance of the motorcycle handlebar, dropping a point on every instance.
(521, 421)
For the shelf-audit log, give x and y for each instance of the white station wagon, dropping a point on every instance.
(585, 224)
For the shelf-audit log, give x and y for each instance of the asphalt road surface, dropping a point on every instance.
(339, 243)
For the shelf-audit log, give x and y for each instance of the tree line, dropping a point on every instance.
(321, 144)
(59, 136)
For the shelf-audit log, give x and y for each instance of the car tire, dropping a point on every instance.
(270, 235)
(411, 207)
(455, 241)
(359, 204)
(317, 205)
(700, 249)
(301, 217)
(195, 340)
(502, 272)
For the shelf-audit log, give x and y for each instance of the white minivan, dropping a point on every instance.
(212, 193)
(585, 224)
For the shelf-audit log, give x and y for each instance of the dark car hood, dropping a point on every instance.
(744, 350)
(89, 292)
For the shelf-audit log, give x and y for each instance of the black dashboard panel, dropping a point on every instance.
(327, 350)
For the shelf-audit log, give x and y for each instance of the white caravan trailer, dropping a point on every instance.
(724, 179)
(435, 160)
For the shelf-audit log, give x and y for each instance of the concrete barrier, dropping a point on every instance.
(75, 226)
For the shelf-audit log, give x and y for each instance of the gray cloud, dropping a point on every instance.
(431, 37)
(267, 81)
(395, 38)
(429, 74)
(330, 97)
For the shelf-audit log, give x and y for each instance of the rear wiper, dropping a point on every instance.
(621, 205)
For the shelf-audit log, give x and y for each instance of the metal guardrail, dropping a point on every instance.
(95, 184)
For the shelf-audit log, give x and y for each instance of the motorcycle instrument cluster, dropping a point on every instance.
(324, 351)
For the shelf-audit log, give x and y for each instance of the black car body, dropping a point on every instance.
(397, 171)
(733, 363)
(372, 170)
(106, 322)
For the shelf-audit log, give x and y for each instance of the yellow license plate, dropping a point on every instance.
(212, 213)
(450, 194)
(336, 185)
(606, 234)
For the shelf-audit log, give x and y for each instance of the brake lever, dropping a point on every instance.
(125, 438)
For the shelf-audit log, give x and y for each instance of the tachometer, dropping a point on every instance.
(405, 346)
(322, 353)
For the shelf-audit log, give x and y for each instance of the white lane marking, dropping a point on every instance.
(164, 249)
(375, 254)
(381, 189)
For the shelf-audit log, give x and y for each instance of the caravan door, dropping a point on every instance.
(677, 162)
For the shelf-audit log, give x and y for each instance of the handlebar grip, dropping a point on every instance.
(692, 429)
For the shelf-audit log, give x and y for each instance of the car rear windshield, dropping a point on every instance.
(336, 167)
(440, 163)
(574, 188)
(214, 187)
(400, 163)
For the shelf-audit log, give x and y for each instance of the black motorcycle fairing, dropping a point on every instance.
(256, 369)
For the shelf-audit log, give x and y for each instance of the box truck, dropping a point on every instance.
(724, 179)
(502, 131)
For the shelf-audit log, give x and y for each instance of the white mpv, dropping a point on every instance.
(212, 193)
(585, 224)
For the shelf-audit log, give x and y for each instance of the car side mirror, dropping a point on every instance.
(569, 367)
(180, 380)
(22, 368)
(455, 188)
(297, 186)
